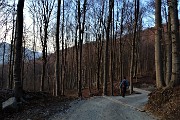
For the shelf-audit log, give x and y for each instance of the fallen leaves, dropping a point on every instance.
(165, 103)
(40, 105)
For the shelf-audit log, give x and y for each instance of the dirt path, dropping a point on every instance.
(108, 108)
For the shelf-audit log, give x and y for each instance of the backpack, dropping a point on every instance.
(124, 84)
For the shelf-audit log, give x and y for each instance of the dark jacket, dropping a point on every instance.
(125, 82)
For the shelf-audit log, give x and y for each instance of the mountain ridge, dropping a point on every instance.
(4, 46)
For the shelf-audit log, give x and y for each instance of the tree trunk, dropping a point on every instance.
(175, 43)
(134, 45)
(57, 83)
(18, 52)
(62, 56)
(79, 26)
(100, 46)
(168, 51)
(43, 66)
(158, 52)
(106, 69)
(81, 31)
(113, 47)
(120, 46)
(22, 67)
(10, 82)
(46, 11)
(4, 50)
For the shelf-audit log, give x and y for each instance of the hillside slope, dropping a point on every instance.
(165, 103)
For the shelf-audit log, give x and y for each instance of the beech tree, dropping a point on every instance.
(158, 51)
(175, 78)
(4, 51)
(81, 32)
(57, 72)
(45, 8)
(106, 63)
(18, 51)
(120, 40)
(168, 48)
(32, 9)
(11, 56)
(134, 45)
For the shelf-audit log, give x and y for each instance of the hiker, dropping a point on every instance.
(123, 86)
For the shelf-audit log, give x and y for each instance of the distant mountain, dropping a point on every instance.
(28, 53)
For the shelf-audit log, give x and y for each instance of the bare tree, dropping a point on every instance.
(134, 45)
(120, 40)
(158, 38)
(168, 50)
(81, 32)
(11, 58)
(108, 25)
(175, 78)
(4, 51)
(45, 10)
(57, 91)
(32, 10)
(62, 55)
(18, 52)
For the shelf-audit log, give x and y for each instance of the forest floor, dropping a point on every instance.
(41, 106)
(165, 103)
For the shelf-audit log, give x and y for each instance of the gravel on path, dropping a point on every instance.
(108, 108)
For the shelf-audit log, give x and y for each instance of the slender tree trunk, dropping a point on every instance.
(46, 14)
(34, 53)
(62, 64)
(81, 32)
(100, 46)
(11, 52)
(18, 56)
(120, 42)
(79, 26)
(168, 51)
(77, 58)
(43, 68)
(113, 47)
(4, 50)
(99, 60)
(77, 47)
(134, 45)
(22, 68)
(158, 38)
(57, 72)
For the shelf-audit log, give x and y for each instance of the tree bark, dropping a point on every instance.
(81, 32)
(10, 82)
(134, 45)
(57, 88)
(62, 56)
(158, 53)
(106, 69)
(175, 78)
(46, 11)
(120, 41)
(18, 52)
(79, 26)
(168, 51)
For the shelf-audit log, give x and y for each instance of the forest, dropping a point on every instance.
(64, 47)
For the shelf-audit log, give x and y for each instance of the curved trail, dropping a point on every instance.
(108, 108)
